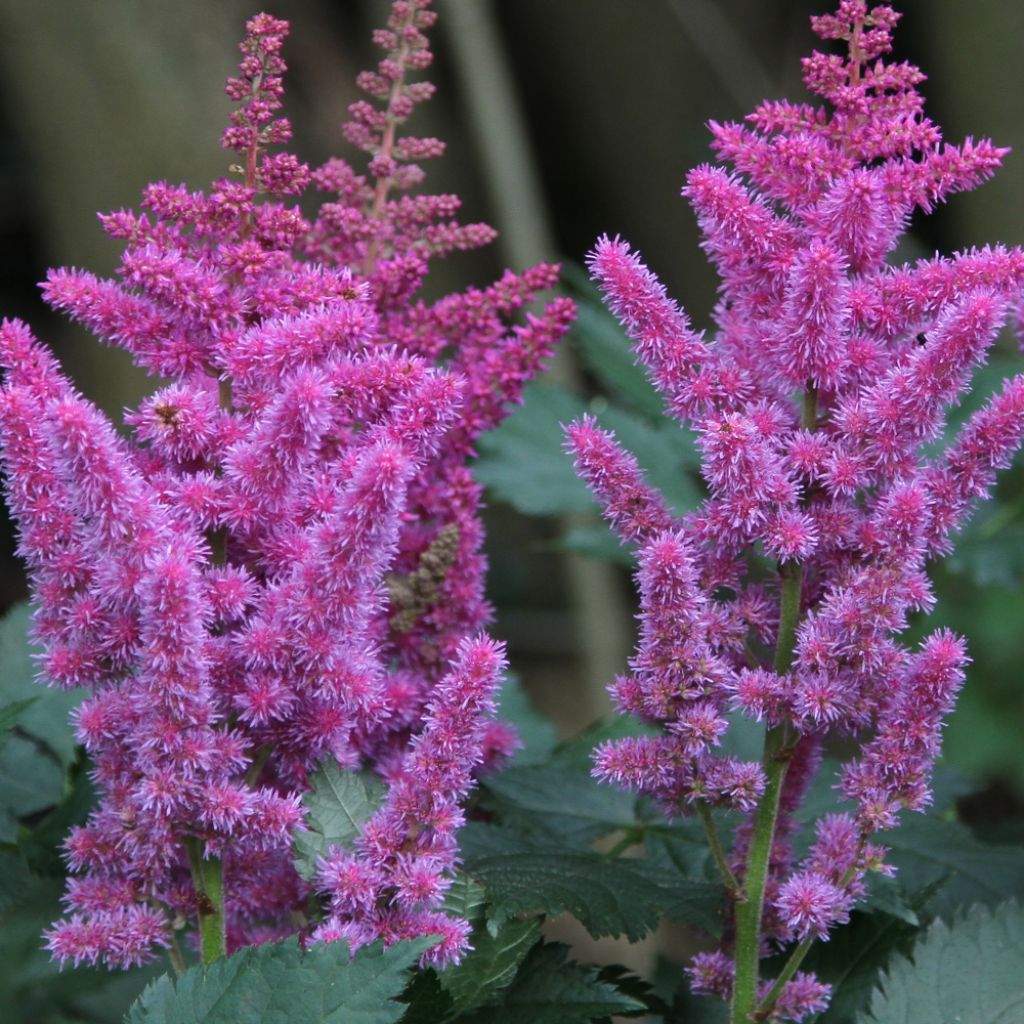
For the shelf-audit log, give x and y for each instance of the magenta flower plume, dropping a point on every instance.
(394, 884)
(817, 402)
(283, 562)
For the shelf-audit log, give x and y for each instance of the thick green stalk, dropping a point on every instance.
(776, 759)
(208, 879)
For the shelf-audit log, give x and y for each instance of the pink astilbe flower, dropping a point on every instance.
(394, 884)
(232, 582)
(817, 402)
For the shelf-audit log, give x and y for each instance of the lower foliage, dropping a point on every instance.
(544, 840)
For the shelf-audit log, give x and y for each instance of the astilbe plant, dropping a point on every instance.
(282, 564)
(816, 403)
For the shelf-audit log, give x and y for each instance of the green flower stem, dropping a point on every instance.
(777, 752)
(778, 749)
(208, 879)
(796, 958)
(717, 851)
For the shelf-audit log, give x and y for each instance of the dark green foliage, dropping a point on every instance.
(567, 806)
(278, 984)
(968, 974)
(536, 733)
(624, 896)
(336, 806)
(930, 851)
(551, 989)
(523, 463)
(492, 964)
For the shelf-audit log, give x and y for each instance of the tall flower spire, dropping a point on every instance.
(228, 582)
(815, 400)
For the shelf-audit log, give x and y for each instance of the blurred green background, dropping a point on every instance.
(565, 119)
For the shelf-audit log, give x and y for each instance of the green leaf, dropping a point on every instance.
(560, 799)
(550, 989)
(666, 452)
(10, 713)
(636, 987)
(47, 720)
(608, 897)
(523, 461)
(33, 988)
(927, 850)
(851, 959)
(536, 732)
(277, 984)
(565, 805)
(681, 847)
(43, 844)
(491, 965)
(30, 781)
(427, 1002)
(886, 895)
(578, 754)
(15, 879)
(525, 464)
(968, 974)
(466, 898)
(336, 806)
(607, 354)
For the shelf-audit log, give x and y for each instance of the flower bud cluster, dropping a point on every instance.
(817, 402)
(282, 563)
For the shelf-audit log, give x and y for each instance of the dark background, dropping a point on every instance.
(597, 108)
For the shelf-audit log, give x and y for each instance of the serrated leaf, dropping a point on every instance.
(972, 973)
(608, 897)
(851, 959)
(277, 984)
(491, 965)
(565, 805)
(466, 898)
(551, 989)
(536, 732)
(427, 1002)
(635, 987)
(336, 806)
(47, 720)
(926, 850)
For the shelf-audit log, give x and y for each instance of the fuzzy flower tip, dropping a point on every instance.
(283, 561)
(818, 404)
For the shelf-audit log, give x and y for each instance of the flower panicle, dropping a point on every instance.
(817, 403)
(281, 562)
